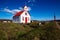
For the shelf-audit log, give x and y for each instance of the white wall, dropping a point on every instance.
(23, 15)
(18, 19)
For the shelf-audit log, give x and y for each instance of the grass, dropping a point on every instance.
(11, 30)
(32, 31)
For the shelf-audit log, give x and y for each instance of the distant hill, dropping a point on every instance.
(5, 20)
(45, 21)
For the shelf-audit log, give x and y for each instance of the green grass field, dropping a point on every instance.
(32, 31)
(11, 30)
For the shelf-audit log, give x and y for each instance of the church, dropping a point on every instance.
(23, 16)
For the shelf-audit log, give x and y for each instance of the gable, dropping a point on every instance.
(22, 13)
(25, 14)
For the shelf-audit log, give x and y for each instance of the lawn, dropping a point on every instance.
(32, 31)
(12, 30)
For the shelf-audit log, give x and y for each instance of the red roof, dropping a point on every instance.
(19, 13)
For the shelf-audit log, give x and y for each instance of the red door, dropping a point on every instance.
(25, 19)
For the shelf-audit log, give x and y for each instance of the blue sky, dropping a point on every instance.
(40, 9)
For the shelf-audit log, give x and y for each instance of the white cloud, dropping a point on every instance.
(31, 1)
(11, 11)
(7, 10)
(29, 8)
(14, 10)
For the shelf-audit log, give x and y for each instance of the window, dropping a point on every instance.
(25, 13)
(23, 18)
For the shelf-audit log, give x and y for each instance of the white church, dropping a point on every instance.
(22, 17)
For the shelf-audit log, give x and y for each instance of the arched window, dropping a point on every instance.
(25, 13)
(23, 18)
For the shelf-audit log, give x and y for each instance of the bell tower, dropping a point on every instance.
(25, 8)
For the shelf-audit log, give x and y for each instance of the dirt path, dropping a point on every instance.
(58, 26)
